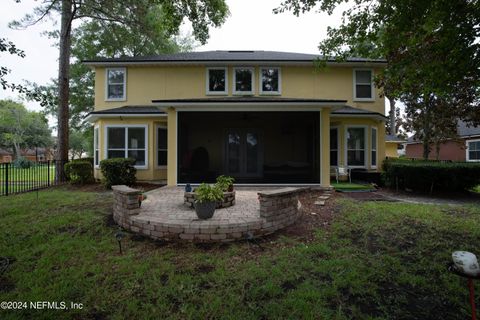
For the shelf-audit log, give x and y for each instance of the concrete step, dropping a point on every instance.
(320, 203)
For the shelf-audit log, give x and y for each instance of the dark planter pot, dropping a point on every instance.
(205, 210)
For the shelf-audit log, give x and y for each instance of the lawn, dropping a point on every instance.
(21, 179)
(375, 261)
(347, 186)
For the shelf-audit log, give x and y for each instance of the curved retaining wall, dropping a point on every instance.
(277, 209)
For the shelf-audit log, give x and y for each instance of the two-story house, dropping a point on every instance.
(262, 117)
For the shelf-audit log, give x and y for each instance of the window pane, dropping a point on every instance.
(115, 154)
(216, 80)
(243, 80)
(333, 158)
(115, 76)
(96, 157)
(364, 91)
(252, 153)
(374, 139)
(356, 138)
(233, 152)
(162, 138)
(474, 155)
(374, 158)
(115, 91)
(333, 139)
(356, 158)
(162, 158)
(116, 138)
(136, 138)
(138, 155)
(95, 133)
(474, 146)
(364, 76)
(270, 80)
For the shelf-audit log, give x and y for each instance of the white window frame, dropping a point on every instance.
(338, 146)
(365, 133)
(163, 126)
(207, 87)
(467, 149)
(273, 93)
(372, 86)
(235, 92)
(126, 126)
(374, 166)
(124, 97)
(96, 147)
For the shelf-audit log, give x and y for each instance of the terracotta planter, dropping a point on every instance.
(205, 210)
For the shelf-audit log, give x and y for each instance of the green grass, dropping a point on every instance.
(351, 186)
(18, 178)
(377, 261)
(477, 189)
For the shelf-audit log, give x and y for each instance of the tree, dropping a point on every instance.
(431, 47)
(20, 128)
(201, 13)
(79, 143)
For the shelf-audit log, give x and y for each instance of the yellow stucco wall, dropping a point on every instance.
(152, 172)
(147, 83)
(391, 149)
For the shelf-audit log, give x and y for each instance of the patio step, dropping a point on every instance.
(320, 203)
(324, 197)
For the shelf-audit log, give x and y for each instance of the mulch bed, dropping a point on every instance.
(366, 196)
(98, 187)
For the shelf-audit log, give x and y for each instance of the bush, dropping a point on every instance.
(118, 171)
(88, 159)
(427, 176)
(208, 193)
(223, 182)
(22, 163)
(79, 172)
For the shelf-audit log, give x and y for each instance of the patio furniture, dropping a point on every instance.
(341, 171)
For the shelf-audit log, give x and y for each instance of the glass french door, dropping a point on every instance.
(243, 153)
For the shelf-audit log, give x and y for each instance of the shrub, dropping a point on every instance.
(22, 163)
(223, 182)
(208, 193)
(79, 172)
(88, 159)
(429, 176)
(118, 171)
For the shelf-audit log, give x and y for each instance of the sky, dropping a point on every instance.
(250, 26)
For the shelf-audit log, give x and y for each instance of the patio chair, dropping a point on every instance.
(341, 171)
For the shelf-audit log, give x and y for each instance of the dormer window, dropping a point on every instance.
(243, 81)
(270, 81)
(217, 81)
(363, 85)
(116, 84)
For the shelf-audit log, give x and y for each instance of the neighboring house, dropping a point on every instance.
(5, 156)
(36, 154)
(392, 145)
(262, 117)
(465, 148)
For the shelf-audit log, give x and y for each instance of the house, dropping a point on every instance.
(262, 117)
(33, 154)
(465, 148)
(5, 156)
(392, 145)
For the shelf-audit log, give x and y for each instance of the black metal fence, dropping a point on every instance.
(37, 175)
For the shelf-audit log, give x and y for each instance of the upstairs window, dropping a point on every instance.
(363, 85)
(243, 81)
(270, 81)
(217, 81)
(473, 150)
(116, 84)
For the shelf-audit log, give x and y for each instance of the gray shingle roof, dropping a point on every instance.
(245, 55)
(130, 110)
(465, 131)
(347, 110)
(393, 138)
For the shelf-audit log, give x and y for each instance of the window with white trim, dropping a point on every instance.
(473, 150)
(127, 142)
(96, 152)
(161, 146)
(270, 81)
(243, 80)
(374, 148)
(363, 84)
(217, 81)
(116, 84)
(334, 146)
(356, 147)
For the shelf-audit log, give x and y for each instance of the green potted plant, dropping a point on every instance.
(225, 183)
(207, 197)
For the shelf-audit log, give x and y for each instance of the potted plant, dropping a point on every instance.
(207, 197)
(225, 183)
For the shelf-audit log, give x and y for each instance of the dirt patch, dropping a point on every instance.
(366, 196)
(99, 188)
(204, 268)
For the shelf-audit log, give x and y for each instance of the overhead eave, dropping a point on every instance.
(92, 117)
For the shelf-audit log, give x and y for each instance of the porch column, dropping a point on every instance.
(172, 147)
(325, 147)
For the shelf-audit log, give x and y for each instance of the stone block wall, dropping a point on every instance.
(228, 200)
(125, 204)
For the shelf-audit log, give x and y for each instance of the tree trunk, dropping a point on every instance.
(17, 150)
(391, 118)
(427, 139)
(63, 87)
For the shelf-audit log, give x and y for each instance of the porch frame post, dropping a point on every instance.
(325, 147)
(172, 147)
